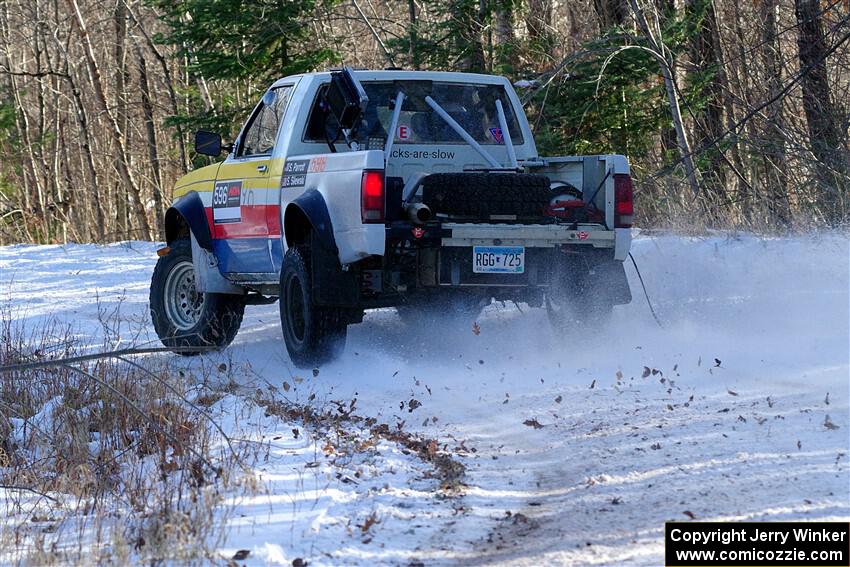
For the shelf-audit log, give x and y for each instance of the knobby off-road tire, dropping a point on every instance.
(313, 335)
(480, 195)
(184, 318)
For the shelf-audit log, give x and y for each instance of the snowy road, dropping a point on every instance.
(577, 448)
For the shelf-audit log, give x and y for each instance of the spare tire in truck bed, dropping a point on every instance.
(481, 195)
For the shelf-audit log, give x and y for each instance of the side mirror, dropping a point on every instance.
(208, 143)
(346, 98)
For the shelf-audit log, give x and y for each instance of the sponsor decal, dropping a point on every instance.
(226, 201)
(404, 132)
(418, 232)
(295, 173)
(497, 135)
(421, 154)
(582, 235)
(317, 165)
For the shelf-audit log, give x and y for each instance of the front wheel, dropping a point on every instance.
(185, 318)
(313, 335)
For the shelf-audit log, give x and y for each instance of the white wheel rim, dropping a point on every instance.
(183, 302)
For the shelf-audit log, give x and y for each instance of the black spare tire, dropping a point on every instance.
(481, 195)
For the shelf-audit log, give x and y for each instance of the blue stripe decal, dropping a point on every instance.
(245, 255)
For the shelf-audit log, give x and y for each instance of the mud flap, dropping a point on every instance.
(208, 278)
(610, 278)
(332, 287)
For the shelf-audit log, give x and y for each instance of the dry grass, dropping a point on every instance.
(107, 461)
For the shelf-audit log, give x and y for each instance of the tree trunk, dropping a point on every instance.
(610, 13)
(150, 131)
(666, 66)
(775, 174)
(504, 36)
(706, 56)
(413, 36)
(468, 40)
(120, 79)
(538, 21)
(114, 130)
(825, 136)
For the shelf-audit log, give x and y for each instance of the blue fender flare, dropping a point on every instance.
(188, 210)
(308, 212)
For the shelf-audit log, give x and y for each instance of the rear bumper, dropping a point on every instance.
(538, 236)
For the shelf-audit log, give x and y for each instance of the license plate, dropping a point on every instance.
(498, 259)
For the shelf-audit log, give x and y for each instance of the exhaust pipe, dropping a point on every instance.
(418, 212)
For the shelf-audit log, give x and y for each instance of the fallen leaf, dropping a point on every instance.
(717, 363)
(286, 386)
(770, 402)
(369, 522)
(619, 375)
(559, 399)
(241, 554)
(432, 447)
(655, 446)
(298, 562)
(315, 372)
(826, 400)
(829, 425)
(593, 384)
(731, 392)
(476, 328)
(799, 445)
(533, 423)
(412, 405)
(222, 367)
(646, 372)
(689, 514)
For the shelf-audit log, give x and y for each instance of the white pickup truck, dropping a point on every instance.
(352, 190)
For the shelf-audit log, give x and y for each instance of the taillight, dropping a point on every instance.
(624, 201)
(372, 197)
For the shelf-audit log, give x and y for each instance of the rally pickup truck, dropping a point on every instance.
(352, 190)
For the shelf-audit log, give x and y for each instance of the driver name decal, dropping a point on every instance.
(226, 201)
(295, 173)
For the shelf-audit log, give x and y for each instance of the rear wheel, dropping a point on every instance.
(572, 301)
(313, 334)
(182, 316)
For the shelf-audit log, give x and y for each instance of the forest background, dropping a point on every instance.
(734, 114)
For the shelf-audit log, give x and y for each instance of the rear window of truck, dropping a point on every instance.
(471, 106)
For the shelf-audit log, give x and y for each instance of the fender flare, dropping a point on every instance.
(190, 210)
(307, 211)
